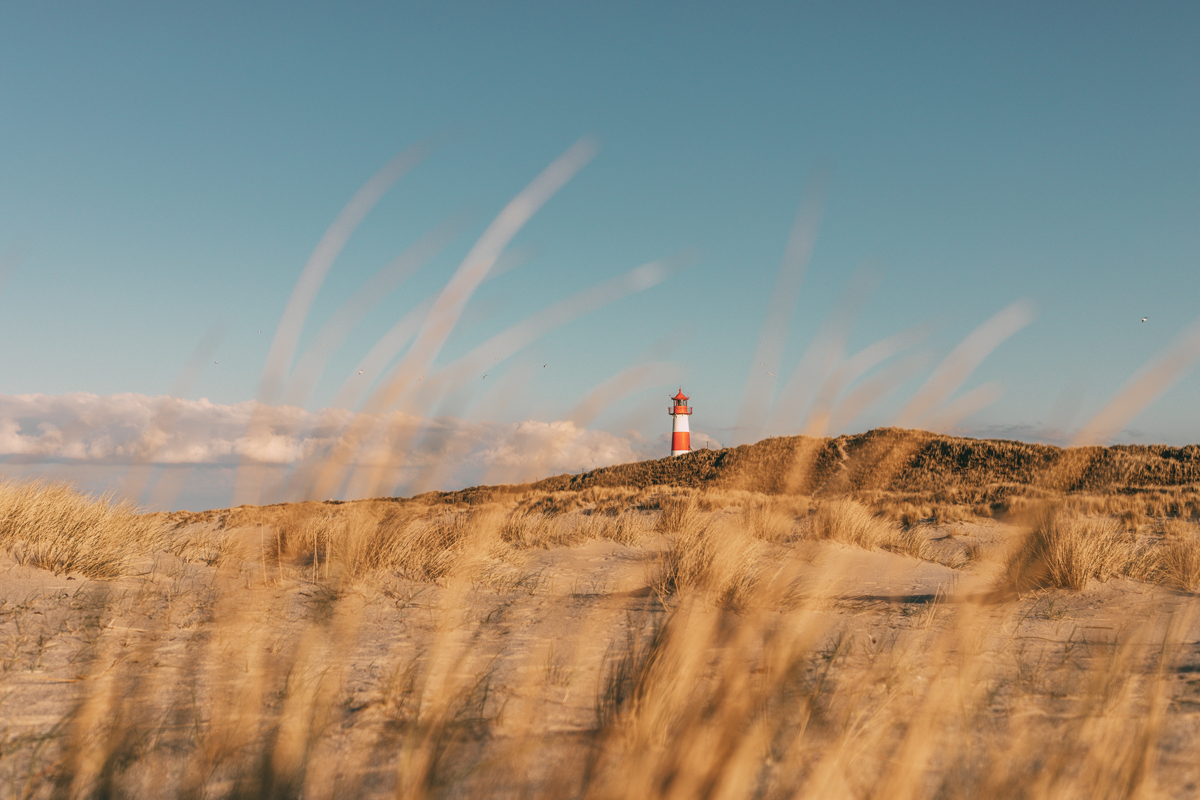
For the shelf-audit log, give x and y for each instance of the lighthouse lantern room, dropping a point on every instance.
(680, 411)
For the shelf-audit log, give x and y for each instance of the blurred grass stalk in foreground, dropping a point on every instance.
(367, 648)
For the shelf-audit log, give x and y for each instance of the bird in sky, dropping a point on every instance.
(1144, 319)
(360, 372)
(485, 376)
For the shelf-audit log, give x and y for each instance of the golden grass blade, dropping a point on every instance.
(1146, 385)
(962, 361)
(781, 306)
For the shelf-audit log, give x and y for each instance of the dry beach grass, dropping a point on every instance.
(895, 614)
(632, 641)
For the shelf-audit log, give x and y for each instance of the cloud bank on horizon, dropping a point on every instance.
(189, 452)
(96, 441)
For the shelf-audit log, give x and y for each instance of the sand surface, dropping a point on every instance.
(523, 644)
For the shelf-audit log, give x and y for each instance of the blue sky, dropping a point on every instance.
(166, 171)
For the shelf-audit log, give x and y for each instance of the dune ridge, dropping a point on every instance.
(886, 460)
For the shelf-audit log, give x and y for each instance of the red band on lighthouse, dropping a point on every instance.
(680, 441)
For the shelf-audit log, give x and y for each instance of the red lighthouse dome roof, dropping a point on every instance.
(680, 396)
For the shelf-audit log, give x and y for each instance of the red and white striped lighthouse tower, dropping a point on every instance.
(680, 438)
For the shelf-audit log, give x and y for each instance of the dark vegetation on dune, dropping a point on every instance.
(906, 474)
(889, 460)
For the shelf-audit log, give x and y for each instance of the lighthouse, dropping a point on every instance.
(680, 439)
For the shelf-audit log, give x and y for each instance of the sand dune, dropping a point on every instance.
(633, 640)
